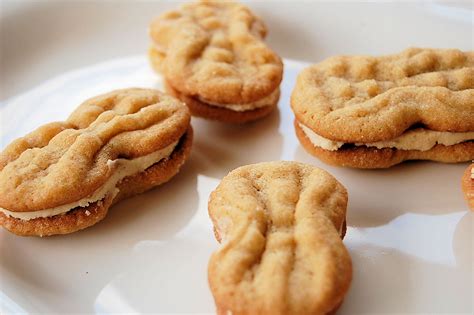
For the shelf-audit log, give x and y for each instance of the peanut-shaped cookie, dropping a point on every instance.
(375, 112)
(280, 225)
(64, 176)
(213, 57)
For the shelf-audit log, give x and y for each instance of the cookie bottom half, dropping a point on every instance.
(220, 310)
(224, 311)
(367, 157)
(468, 187)
(204, 110)
(83, 217)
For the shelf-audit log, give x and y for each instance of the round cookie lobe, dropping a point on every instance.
(280, 226)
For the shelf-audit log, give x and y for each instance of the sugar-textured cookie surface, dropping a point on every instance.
(368, 99)
(280, 225)
(63, 162)
(215, 50)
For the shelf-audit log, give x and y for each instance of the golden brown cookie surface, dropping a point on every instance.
(468, 186)
(280, 225)
(215, 50)
(368, 99)
(121, 124)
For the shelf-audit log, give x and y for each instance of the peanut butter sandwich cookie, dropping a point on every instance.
(280, 225)
(64, 176)
(375, 112)
(468, 186)
(213, 58)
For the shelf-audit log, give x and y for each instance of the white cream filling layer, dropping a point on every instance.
(416, 139)
(121, 168)
(266, 101)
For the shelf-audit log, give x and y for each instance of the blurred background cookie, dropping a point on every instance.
(213, 57)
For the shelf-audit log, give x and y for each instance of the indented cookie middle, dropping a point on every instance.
(213, 58)
(375, 112)
(280, 225)
(64, 176)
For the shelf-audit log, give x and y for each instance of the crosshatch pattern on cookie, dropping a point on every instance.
(122, 124)
(280, 225)
(215, 50)
(368, 99)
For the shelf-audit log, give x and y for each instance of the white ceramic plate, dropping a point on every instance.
(409, 235)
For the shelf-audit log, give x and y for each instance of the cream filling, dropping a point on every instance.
(266, 101)
(121, 168)
(416, 139)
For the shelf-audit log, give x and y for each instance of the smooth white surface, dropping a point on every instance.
(409, 235)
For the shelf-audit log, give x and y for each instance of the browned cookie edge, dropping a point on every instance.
(203, 110)
(367, 157)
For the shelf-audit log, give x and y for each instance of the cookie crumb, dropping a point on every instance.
(88, 213)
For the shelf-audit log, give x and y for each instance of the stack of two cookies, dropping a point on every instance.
(213, 58)
(64, 176)
(375, 112)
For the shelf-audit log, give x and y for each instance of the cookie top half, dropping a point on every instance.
(62, 162)
(368, 99)
(215, 50)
